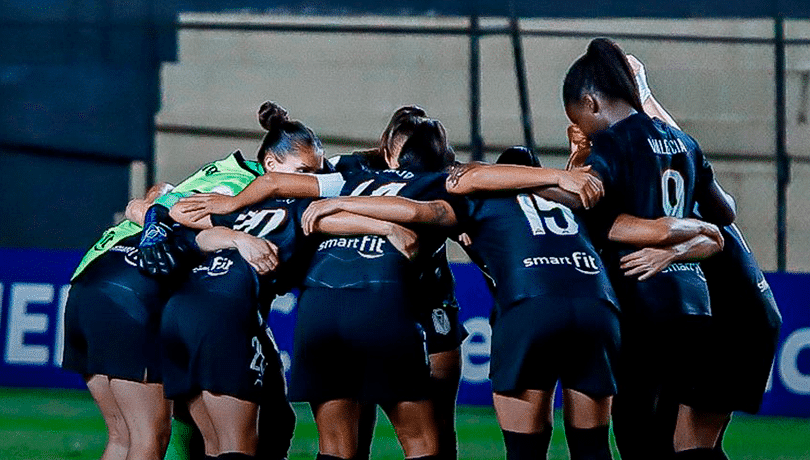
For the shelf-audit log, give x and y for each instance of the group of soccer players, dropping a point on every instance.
(622, 277)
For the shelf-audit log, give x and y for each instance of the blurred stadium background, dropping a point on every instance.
(100, 98)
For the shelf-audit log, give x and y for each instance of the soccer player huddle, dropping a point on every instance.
(622, 277)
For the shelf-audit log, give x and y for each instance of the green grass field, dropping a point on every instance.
(50, 424)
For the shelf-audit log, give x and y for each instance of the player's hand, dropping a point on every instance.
(155, 252)
(261, 254)
(713, 232)
(204, 204)
(158, 190)
(405, 240)
(465, 240)
(581, 182)
(580, 147)
(646, 262)
(136, 210)
(317, 210)
(640, 74)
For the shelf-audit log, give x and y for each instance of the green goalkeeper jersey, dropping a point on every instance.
(227, 176)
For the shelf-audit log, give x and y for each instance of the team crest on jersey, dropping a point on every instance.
(367, 246)
(763, 285)
(441, 322)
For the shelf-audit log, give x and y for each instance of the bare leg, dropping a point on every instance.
(148, 417)
(415, 425)
(528, 411)
(117, 432)
(198, 411)
(698, 429)
(582, 411)
(235, 422)
(337, 422)
(525, 418)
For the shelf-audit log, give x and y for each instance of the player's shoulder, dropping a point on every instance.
(235, 163)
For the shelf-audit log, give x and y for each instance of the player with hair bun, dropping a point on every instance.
(220, 306)
(123, 369)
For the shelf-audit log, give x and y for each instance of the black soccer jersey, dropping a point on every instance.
(650, 170)
(277, 220)
(737, 287)
(365, 260)
(531, 247)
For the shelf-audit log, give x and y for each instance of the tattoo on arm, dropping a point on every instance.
(439, 212)
(456, 171)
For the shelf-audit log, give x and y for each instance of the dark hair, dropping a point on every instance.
(518, 155)
(603, 69)
(283, 135)
(402, 123)
(426, 148)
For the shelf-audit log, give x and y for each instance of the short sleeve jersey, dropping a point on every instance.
(530, 246)
(367, 260)
(227, 176)
(650, 170)
(277, 220)
(737, 286)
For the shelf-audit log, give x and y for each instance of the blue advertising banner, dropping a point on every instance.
(34, 287)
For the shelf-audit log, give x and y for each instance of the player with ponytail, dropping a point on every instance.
(649, 170)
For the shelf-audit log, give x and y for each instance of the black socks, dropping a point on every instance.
(527, 446)
(588, 443)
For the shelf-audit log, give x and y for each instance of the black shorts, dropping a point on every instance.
(213, 338)
(676, 358)
(443, 330)
(112, 319)
(362, 344)
(738, 364)
(541, 340)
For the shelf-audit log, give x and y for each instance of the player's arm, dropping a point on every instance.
(663, 231)
(261, 254)
(136, 208)
(479, 177)
(387, 208)
(718, 206)
(346, 223)
(647, 262)
(268, 185)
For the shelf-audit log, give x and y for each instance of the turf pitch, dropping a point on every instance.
(65, 424)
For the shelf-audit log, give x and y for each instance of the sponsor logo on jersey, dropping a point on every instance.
(105, 240)
(222, 190)
(130, 254)
(667, 146)
(581, 261)
(685, 267)
(367, 246)
(219, 266)
(210, 169)
(441, 322)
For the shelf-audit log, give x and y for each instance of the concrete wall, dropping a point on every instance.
(346, 86)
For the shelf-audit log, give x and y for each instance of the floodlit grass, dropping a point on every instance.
(64, 424)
